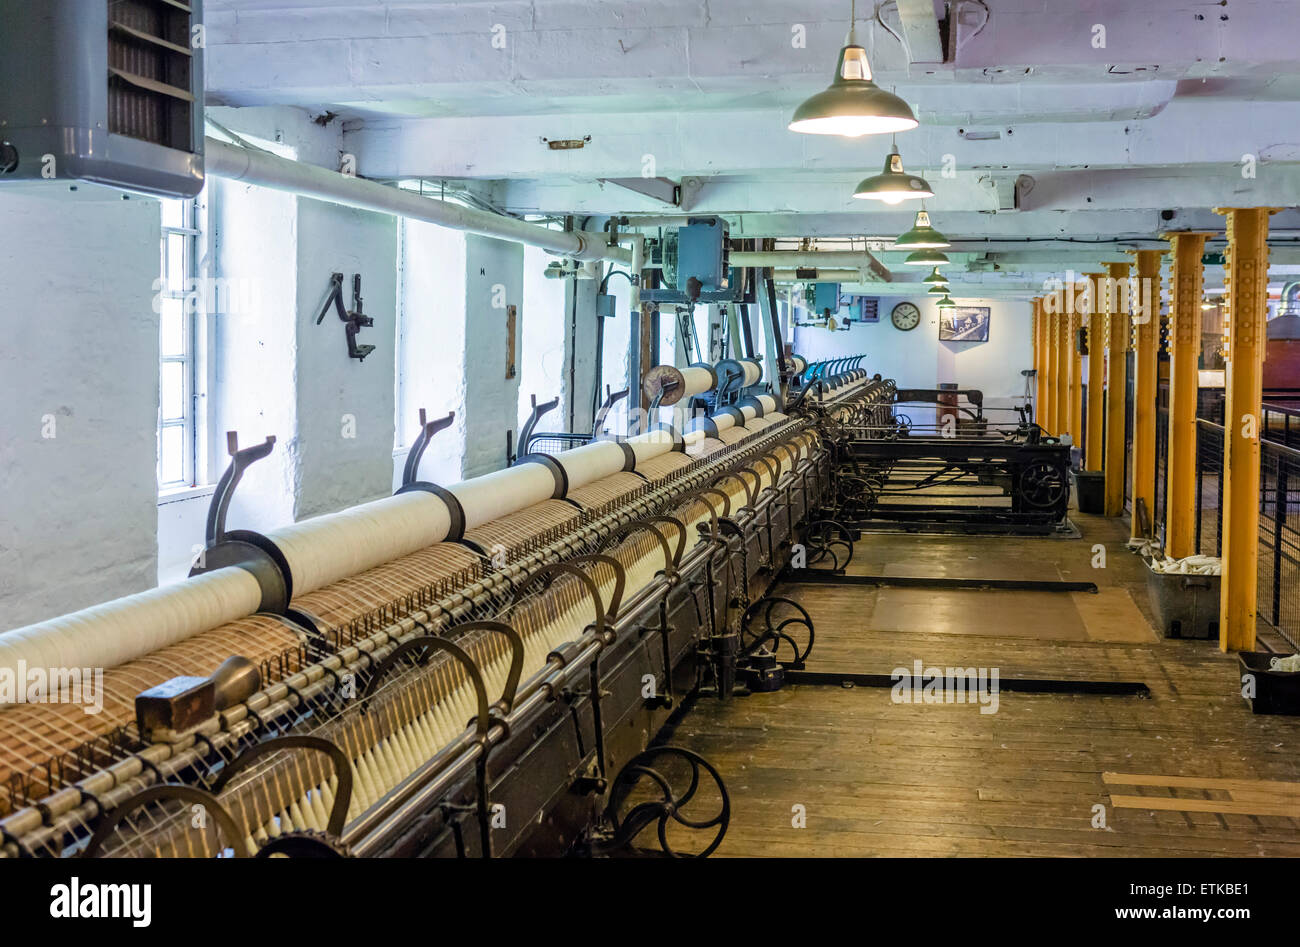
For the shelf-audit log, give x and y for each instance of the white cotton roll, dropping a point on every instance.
(591, 462)
(494, 495)
(104, 636)
(768, 403)
(698, 380)
(749, 411)
(723, 422)
(693, 438)
(325, 549)
(651, 444)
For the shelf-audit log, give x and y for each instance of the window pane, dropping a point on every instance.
(171, 449)
(171, 329)
(175, 263)
(173, 391)
(173, 213)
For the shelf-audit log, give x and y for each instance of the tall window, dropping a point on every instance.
(177, 302)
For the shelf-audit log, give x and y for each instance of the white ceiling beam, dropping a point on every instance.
(741, 141)
(673, 51)
(1044, 204)
(920, 30)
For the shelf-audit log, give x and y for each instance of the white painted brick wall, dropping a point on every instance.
(337, 470)
(491, 400)
(77, 511)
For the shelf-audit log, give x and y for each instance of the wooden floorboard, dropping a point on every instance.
(875, 777)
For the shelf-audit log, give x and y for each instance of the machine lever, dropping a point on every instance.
(239, 462)
(355, 319)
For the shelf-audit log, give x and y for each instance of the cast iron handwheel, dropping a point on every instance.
(304, 843)
(826, 541)
(670, 805)
(778, 627)
(1043, 485)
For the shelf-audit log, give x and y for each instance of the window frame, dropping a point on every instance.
(191, 303)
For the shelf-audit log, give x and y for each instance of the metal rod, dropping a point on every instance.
(826, 577)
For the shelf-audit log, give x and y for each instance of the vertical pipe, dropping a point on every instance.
(1076, 375)
(1096, 371)
(1182, 490)
(1146, 331)
(1246, 280)
(1117, 342)
(1061, 396)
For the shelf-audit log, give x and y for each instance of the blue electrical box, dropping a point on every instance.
(702, 253)
(825, 296)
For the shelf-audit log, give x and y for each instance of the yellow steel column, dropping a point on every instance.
(1061, 395)
(1040, 360)
(1074, 408)
(1048, 419)
(1186, 286)
(1246, 281)
(1146, 332)
(1117, 331)
(1096, 372)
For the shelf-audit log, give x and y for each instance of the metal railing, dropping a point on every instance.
(1278, 601)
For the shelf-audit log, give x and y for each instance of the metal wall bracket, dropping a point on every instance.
(355, 319)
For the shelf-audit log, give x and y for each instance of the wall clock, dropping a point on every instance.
(905, 316)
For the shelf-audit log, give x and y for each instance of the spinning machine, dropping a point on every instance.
(472, 669)
(960, 473)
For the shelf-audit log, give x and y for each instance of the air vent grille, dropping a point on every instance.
(151, 72)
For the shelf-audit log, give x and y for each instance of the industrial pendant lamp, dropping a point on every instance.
(932, 258)
(893, 185)
(853, 105)
(936, 277)
(945, 303)
(922, 236)
(939, 289)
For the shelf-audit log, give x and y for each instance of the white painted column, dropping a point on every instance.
(494, 278)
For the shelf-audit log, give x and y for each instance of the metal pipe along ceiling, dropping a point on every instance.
(251, 166)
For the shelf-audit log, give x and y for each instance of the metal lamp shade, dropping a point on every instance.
(853, 105)
(922, 236)
(893, 185)
(927, 258)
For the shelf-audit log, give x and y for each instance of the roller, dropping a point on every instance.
(104, 636)
(750, 370)
(591, 462)
(325, 549)
(671, 384)
(494, 495)
(650, 444)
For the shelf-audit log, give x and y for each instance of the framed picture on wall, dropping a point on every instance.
(964, 324)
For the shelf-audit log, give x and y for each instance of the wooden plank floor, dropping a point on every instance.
(879, 778)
